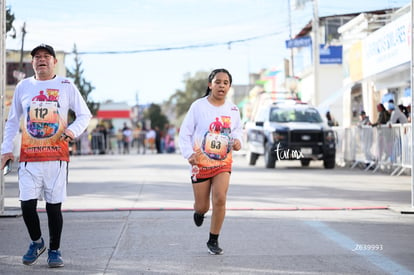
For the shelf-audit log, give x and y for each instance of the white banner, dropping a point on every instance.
(388, 47)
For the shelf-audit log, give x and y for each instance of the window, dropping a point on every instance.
(11, 67)
(331, 27)
(284, 115)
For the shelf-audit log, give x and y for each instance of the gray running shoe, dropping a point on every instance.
(214, 249)
(198, 219)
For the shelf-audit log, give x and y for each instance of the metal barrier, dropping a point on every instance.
(95, 143)
(386, 155)
(362, 148)
(347, 145)
(406, 148)
(339, 134)
(382, 148)
(98, 143)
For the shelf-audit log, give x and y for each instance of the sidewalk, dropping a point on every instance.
(264, 232)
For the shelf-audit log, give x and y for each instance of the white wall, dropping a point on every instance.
(331, 89)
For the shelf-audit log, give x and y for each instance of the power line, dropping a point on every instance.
(194, 46)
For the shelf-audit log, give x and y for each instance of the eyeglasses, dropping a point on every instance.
(45, 56)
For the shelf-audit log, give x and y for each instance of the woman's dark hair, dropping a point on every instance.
(213, 74)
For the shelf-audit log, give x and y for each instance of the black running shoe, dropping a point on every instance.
(214, 249)
(198, 219)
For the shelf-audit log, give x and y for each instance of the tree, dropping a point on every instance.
(85, 87)
(9, 21)
(155, 115)
(195, 87)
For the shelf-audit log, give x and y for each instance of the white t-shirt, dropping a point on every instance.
(208, 131)
(397, 116)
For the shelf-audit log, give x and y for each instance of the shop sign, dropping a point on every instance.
(387, 47)
(330, 54)
(300, 42)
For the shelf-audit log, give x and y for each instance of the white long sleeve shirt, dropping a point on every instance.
(397, 117)
(208, 131)
(44, 106)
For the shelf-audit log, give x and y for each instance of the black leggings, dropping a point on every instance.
(55, 221)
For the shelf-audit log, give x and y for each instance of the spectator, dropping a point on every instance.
(150, 139)
(135, 136)
(169, 144)
(141, 141)
(158, 140)
(126, 138)
(104, 139)
(330, 119)
(408, 108)
(403, 109)
(119, 140)
(396, 117)
(366, 138)
(383, 115)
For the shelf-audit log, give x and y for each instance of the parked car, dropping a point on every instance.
(290, 131)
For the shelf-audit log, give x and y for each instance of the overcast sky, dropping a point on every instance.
(155, 43)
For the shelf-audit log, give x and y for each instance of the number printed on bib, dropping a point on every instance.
(44, 111)
(216, 146)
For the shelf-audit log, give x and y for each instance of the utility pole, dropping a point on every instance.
(22, 49)
(137, 107)
(2, 89)
(2, 102)
(315, 29)
(412, 104)
(292, 67)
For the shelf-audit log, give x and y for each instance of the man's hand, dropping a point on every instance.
(5, 157)
(67, 135)
(236, 145)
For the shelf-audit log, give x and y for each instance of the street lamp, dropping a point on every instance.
(2, 88)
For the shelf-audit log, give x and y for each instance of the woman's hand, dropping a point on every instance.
(236, 145)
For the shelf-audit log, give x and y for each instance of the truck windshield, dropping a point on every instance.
(295, 115)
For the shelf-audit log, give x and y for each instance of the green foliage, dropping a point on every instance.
(155, 115)
(85, 87)
(9, 21)
(195, 87)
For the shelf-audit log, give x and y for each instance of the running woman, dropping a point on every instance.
(209, 133)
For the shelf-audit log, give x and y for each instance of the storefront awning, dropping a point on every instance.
(109, 114)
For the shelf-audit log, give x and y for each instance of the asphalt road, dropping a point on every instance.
(133, 215)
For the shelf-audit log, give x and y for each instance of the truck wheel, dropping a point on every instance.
(305, 162)
(270, 157)
(252, 158)
(329, 163)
